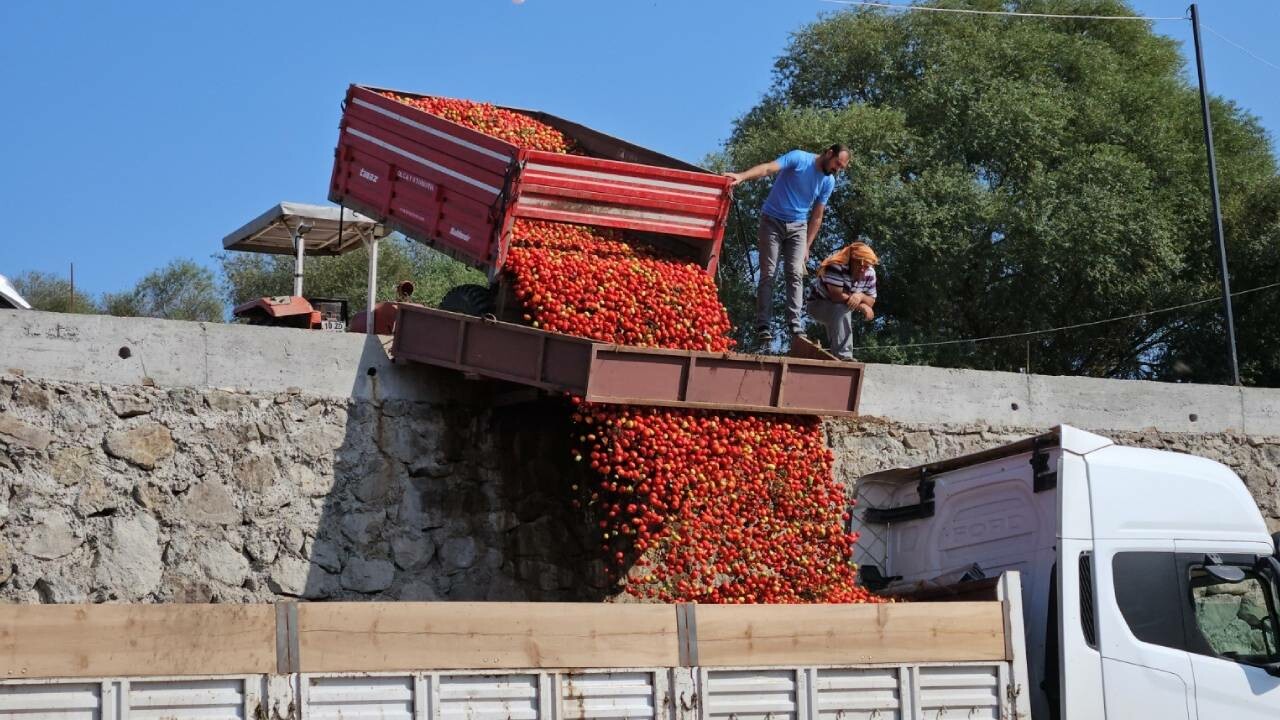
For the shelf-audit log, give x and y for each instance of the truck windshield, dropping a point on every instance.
(1237, 619)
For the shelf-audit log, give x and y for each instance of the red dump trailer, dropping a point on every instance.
(460, 190)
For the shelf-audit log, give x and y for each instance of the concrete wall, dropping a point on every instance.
(165, 461)
(88, 348)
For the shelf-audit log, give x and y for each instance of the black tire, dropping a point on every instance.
(474, 300)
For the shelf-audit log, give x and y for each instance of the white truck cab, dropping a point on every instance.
(1150, 584)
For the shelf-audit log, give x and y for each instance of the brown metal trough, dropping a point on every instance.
(600, 372)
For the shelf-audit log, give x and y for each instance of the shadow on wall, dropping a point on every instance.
(458, 499)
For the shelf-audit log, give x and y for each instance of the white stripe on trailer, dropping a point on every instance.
(438, 133)
(625, 179)
(590, 208)
(419, 159)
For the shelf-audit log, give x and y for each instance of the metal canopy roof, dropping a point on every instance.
(272, 231)
(9, 297)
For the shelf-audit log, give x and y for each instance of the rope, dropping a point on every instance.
(1118, 318)
(1242, 48)
(925, 8)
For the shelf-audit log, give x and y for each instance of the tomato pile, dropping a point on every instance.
(513, 127)
(613, 292)
(718, 507)
(692, 506)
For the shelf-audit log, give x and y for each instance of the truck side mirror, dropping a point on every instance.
(1223, 573)
(1273, 669)
(1275, 542)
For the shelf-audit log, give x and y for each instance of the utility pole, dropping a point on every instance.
(71, 302)
(1217, 206)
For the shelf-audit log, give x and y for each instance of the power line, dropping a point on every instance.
(1007, 336)
(926, 8)
(1242, 48)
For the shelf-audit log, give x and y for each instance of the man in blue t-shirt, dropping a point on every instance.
(789, 222)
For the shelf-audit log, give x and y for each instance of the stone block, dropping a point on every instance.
(52, 537)
(367, 576)
(146, 445)
(209, 503)
(459, 553)
(127, 404)
(129, 557)
(16, 432)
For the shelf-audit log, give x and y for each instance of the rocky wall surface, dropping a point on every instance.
(144, 494)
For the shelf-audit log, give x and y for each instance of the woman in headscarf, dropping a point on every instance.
(844, 288)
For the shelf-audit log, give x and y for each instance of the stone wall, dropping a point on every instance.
(183, 495)
(162, 461)
(179, 495)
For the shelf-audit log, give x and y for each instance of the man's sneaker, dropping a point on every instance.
(764, 335)
(799, 335)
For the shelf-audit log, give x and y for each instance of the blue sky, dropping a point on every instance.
(139, 132)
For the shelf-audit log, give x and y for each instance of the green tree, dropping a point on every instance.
(1021, 174)
(181, 290)
(247, 276)
(46, 291)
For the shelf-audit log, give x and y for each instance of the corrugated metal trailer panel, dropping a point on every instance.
(904, 692)
(63, 701)
(222, 698)
(361, 696)
(611, 695)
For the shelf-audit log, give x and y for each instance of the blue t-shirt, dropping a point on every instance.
(799, 184)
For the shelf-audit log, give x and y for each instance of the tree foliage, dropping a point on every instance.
(248, 276)
(181, 290)
(1021, 174)
(51, 293)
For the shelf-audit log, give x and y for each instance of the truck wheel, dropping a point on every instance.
(474, 300)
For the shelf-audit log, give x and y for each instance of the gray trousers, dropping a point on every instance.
(837, 318)
(788, 240)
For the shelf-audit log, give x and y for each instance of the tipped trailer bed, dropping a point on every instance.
(602, 372)
(460, 190)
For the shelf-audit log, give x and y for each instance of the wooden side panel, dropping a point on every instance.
(373, 637)
(755, 635)
(42, 641)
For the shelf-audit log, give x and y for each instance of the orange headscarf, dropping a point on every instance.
(846, 255)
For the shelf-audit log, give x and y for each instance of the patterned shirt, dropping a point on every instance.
(839, 276)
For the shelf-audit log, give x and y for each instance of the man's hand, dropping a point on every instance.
(759, 171)
(867, 312)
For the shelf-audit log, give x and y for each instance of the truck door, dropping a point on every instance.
(1231, 628)
(1146, 670)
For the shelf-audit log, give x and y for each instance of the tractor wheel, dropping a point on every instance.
(474, 300)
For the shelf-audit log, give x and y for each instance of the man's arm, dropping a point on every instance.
(858, 302)
(864, 299)
(759, 171)
(815, 224)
